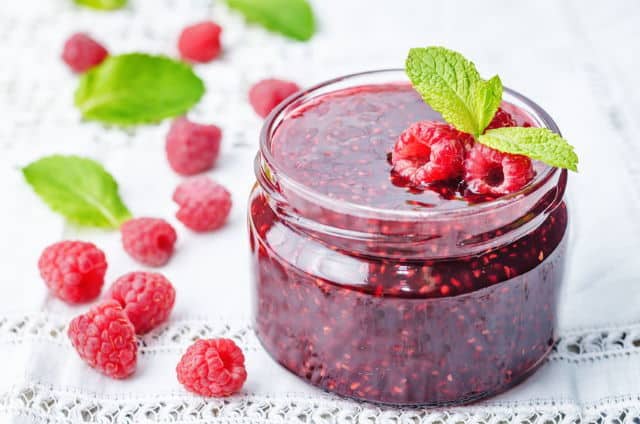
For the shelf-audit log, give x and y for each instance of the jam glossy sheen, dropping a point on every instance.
(387, 322)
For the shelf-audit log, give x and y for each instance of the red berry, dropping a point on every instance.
(200, 42)
(212, 368)
(502, 118)
(488, 171)
(148, 240)
(430, 151)
(192, 148)
(204, 204)
(147, 299)
(267, 94)
(106, 340)
(82, 52)
(73, 270)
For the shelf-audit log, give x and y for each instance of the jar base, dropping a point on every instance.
(467, 400)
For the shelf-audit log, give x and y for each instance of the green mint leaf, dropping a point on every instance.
(292, 18)
(102, 4)
(137, 88)
(451, 85)
(537, 143)
(78, 188)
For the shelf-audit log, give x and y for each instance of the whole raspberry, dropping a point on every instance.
(192, 148)
(502, 118)
(430, 151)
(148, 240)
(204, 204)
(82, 52)
(212, 368)
(105, 339)
(268, 93)
(200, 42)
(488, 171)
(73, 270)
(147, 299)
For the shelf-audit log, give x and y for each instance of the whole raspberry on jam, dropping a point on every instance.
(73, 270)
(192, 148)
(147, 299)
(149, 241)
(430, 151)
(268, 93)
(501, 119)
(488, 171)
(204, 204)
(105, 339)
(200, 42)
(82, 52)
(212, 368)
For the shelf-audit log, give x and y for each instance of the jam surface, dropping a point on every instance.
(467, 311)
(339, 144)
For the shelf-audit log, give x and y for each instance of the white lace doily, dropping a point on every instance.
(578, 59)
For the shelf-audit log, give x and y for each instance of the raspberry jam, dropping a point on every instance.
(373, 291)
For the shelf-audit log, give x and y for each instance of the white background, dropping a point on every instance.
(578, 59)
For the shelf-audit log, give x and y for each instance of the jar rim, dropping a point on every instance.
(298, 99)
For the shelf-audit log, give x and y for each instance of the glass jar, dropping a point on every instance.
(412, 307)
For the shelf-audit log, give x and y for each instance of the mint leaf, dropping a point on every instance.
(451, 85)
(292, 18)
(78, 188)
(537, 143)
(102, 4)
(137, 88)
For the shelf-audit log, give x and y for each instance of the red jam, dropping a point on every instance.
(372, 291)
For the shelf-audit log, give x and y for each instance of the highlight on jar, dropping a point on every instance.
(408, 232)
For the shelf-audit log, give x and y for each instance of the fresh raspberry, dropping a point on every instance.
(200, 42)
(73, 270)
(147, 299)
(212, 367)
(192, 148)
(148, 240)
(502, 118)
(430, 151)
(204, 204)
(105, 339)
(488, 171)
(82, 52)
(268, 93)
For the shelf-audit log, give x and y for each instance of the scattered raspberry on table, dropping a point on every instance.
(73, 270)
(430, 151)
(105, 339)
(200, 42)
(268, 93)
(488, 171)
(192, 148)
(146, 298)
(204, 205)
(212, 367)
(82, 52)
(149, 241)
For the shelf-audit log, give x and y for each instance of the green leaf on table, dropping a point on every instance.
(537, 143)
(137, 88)
(452, 86)
(78, 188)
(102, 4)
(292, 18)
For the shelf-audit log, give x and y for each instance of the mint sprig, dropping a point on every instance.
(452, 86)
(137, 88)
(78, 188)
(291, 18)
(102, 4)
